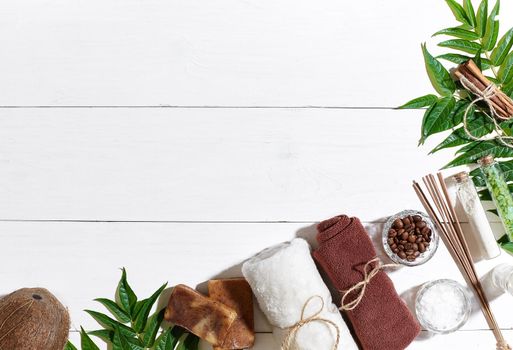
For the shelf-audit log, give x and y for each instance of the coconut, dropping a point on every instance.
(33, 319)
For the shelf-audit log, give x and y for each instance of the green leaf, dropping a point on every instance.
(505, 74)
(469, 11)
(478, 60)
(492, 28)
(461, 45)
(119, 342)
(504, 239)
(458, 11)
(458, 33)
(125, 294)
(70, 346)
(114, 308)
(508, 89)
(166, 341)
(503, 47)
(458, 59)
(104, 334)
(507, 247)
(439, 76)
(110, 323)
(419, 102)
(142, 315)
(478, 149)
(482, 15)
(436, 118)
(152, 328)
(188, 342)
(478, 124)
(86, 342)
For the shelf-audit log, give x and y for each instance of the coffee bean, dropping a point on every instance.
(406, 221)
(422, 247)
(421, 224)
(393, 246)
(398, 223)
(410, 258)
(416, 254)
(400, 246)
(403, 242)
(408, 246)
(425, 230)
(419, 240)
(392, 234)
(402, 255)
(415, 246)
(400, 231)
(409, 252)
(395, 250)
(412, 238)
(404, 236)
(417, 218)
(408, 227)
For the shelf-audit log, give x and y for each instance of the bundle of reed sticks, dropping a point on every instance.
(441, 210)
(471, 77)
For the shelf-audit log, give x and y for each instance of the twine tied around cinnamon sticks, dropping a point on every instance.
(500, 105)
(289, 341)
(361, 286)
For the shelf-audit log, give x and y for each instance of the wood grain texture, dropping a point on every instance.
(202, 189)
(80, 261)
(235, 53)
(209, 164)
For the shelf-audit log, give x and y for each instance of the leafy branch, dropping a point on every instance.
(130, 325)
(476, 37)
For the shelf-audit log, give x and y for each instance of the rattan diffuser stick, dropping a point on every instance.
(441, 210)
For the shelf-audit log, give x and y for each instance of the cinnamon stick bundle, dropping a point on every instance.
(502, 104)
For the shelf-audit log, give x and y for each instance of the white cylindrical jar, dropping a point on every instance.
(502, 277)
(476, 216)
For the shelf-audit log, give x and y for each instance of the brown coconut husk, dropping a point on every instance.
(33, 319)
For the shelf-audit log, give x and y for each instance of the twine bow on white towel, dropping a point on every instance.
(486, 96)
(289, 341)
(361, 286)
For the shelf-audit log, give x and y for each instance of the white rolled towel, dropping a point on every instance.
(284, 278)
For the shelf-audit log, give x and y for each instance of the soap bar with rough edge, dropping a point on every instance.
(208, 319)
(235, 293)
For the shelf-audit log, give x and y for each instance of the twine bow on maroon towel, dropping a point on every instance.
(361, 286)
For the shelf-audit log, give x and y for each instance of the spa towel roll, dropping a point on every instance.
(344, 248)
(283, 279)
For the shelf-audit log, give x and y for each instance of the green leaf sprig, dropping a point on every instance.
(130, 325)
(476, 36)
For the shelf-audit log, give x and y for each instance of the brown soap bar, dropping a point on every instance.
(235, 293)
(208, 319)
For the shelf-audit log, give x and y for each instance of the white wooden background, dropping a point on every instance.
(178, 138)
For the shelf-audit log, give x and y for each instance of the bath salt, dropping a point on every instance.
(442, 307)
(480, 228)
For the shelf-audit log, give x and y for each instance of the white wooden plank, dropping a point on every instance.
(209, 164)
(80, 261)
(474, 340)
(256, 52)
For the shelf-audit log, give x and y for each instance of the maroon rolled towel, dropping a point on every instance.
(381, 320)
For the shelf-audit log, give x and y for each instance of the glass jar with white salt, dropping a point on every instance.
(442, 306)
(480, 229)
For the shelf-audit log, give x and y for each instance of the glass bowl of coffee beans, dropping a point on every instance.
(410, 238)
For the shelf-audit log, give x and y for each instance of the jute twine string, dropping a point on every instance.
(289, 343)
(486, 95)
(28, 305)
(361, 286)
